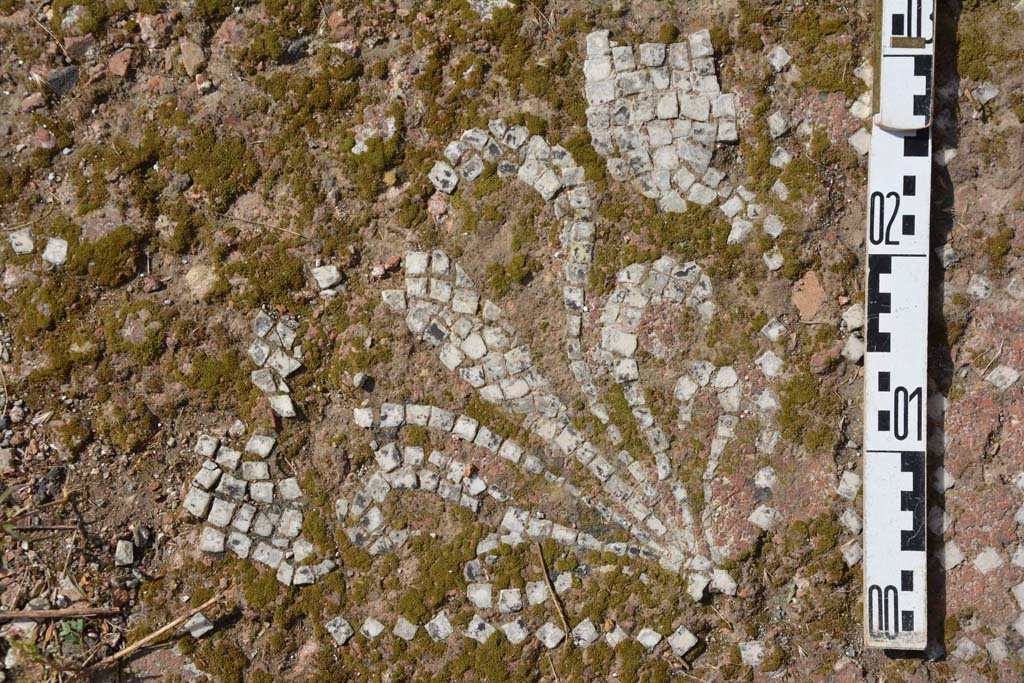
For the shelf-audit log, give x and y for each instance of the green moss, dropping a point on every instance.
(807, 412)
(111, 260)
(222, 658)
(997, 247)
(73, 434)
(367, 170)
(42, 307)
(487, 182)
(213, 11)
(503, 423)
(271, 277)
(224, 168)
(829, 56)
(417, 436)
(667, 33)
(13, 178)
(218, 376)
(440, 570)
(1016, 103)
(774, 659)
(129, 426)
(594, 166)
(502, 278)
(314, 527)
(620, 415)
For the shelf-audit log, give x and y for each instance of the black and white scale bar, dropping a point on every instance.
(895, 370)
(906, 63)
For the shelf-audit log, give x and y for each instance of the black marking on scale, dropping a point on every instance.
(903, 24)
(918, 144)
(908, 224)
(923, 67)
(879, 302)
(908, 620)
(913, 500)
(909, 186)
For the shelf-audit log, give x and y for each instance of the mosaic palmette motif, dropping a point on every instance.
(442, 307)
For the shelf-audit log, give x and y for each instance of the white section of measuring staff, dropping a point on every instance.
(906, 64)
(896, 358)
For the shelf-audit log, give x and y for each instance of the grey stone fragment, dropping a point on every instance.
(860, 141)
(56, 251)
(211, 540)
(695, 107)
(260, 445)
(340, 630)
(61, 81)
(536, 592)
(439, 628)
(778, 124)
(584, 634)
(239, 543)
(773, 259)
(443, 177)
(326, 276)
(752, 652)
(124, 554)
(515, 631)
(997, 649)
(289, 489)
(778, 58)
(950, 555)
(1002, 377)
(371, 628)
(985, 93)
(198, 626)
(853, 349)
(988, 560)
(722, 582)
(649, 638)
(197, 502)
(405, 629)
(615, 636)
(510, 600)
(479, 594)
(681, 641)
(700, 44)
(550, 635)
(472, 167)
(478, 629)
(221, 512)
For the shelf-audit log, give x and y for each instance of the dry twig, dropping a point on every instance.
(50, 33)
(60, 613)
(124, 652)
(258, 224)
(551, 589)
(553, 670)
(26, 224)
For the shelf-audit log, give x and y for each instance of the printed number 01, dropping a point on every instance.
(880, 230)
(902, 399)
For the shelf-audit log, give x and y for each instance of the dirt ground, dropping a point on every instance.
(203, 162)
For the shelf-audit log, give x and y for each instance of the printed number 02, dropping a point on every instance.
(902, 398)
(879, 229)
